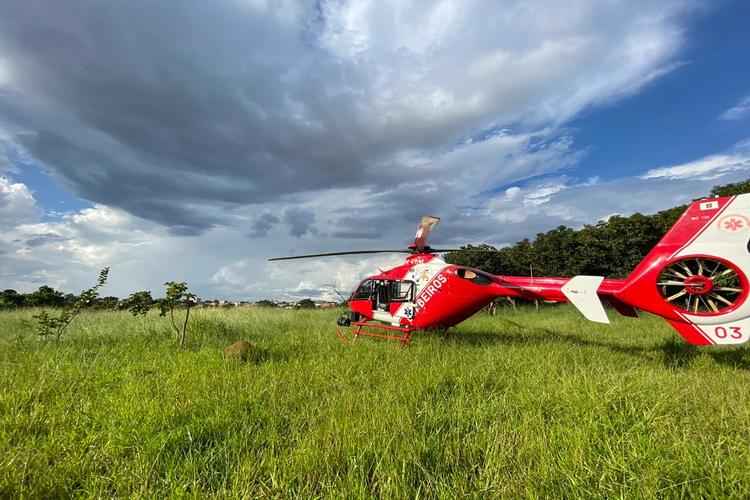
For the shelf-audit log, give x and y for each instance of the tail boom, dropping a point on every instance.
(695, 277)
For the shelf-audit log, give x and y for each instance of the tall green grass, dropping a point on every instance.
(523, 404)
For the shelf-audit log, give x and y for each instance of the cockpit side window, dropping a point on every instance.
(364, 291)
(401, 291)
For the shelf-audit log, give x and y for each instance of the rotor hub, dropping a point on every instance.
(702, 285)
(699, 285)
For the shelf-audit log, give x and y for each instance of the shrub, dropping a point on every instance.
(49, 325)
(177, 295)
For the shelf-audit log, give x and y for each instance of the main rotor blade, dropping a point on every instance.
(445, 250)
(331, 254)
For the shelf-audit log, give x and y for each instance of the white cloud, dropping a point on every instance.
(512, 192)
(523, 211)
(738, 111)
(320, 278)
(542, 194)
(17, 205)
(518, 204)
(532, 61)
(707, 168)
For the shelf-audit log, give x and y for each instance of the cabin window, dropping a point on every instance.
(401, 291)
(364, 291)
(385, 291)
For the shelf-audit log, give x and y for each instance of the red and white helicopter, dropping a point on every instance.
(695, 278)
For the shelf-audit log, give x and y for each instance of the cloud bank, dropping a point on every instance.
(210, 135)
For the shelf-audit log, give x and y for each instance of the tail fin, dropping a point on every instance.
(696, 276)
(581, 291)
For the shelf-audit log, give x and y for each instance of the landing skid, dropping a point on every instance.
(370, 329)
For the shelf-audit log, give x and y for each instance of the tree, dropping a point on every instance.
(265, 303)
(45, 296)
(11, 298)
(177, 295)
(69, 299)
(731, 189)
(306, 304)
(107, 303)
(139, 303)
(56, 325)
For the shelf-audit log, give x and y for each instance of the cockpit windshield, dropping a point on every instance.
(364, 292)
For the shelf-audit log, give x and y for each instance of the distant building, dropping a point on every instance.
(326, 305)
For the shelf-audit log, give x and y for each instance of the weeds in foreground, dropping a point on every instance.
(55, 324)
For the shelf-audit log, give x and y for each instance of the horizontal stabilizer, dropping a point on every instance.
(581, 292)
(622, 308)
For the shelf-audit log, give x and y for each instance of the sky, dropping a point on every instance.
(192, 140)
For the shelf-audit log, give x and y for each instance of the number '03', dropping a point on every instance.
(733, 332)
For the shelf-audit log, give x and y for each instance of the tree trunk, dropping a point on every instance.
(171, 318)
(184, 327)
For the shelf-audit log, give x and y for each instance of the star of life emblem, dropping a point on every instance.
(734, 223)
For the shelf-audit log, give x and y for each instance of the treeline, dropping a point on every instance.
(609, 248)
(47, 296)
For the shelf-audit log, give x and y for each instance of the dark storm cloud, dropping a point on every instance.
(300, 221)
(263, 224)
(180, 112)
(362, 234)
(146, 106)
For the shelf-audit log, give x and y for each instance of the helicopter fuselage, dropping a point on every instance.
(426, 292)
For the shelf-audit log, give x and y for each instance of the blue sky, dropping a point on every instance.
(676, 119)
(49, 192)
(192, 143)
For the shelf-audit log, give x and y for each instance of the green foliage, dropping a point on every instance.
(108, 303)
(139, 303)
(306, 304)
(177, 295)
(265, 303)
(11, 299)
(55, 325)
(45, 296)
(731, 189)
(609, 248)
(69, 299)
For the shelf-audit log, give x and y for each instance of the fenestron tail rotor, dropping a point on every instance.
(700, 285)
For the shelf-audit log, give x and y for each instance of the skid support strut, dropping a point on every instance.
(377, 330)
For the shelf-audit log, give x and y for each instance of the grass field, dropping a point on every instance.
(524, 404)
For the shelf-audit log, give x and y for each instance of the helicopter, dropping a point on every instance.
(695, 278)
